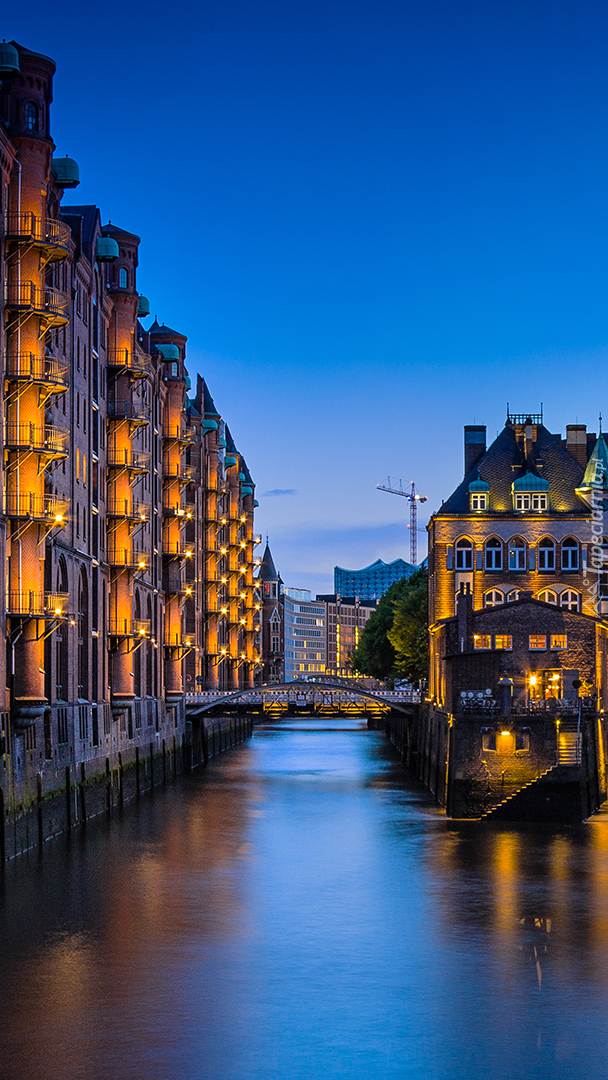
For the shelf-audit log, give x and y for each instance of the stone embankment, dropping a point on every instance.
(101, 786)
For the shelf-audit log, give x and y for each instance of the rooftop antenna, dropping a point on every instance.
(600, 423)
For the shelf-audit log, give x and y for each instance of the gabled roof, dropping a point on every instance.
(504, 462)
(90, 219)
(230, 447)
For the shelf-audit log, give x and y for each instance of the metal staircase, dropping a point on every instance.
(515, 794)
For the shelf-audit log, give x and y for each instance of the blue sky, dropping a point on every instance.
(375, 221)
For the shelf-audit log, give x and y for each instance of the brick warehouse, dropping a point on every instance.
(515, 720)
(126, 542)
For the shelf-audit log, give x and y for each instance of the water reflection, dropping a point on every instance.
(300, 909)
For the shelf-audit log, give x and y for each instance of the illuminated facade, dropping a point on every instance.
(126, 545)
(523, 521)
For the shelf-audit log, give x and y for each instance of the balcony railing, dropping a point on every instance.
(130, 627)
(51, 508)
(177, 549)
(134, 362)
(132, 558)
(179, 641)
(138, 413)
(126, 508)
(37, 438)
(50, 304)
(174, 585)
(174, 509)
(125, 458)
(52, 235)
(38, 604)
(39, 369)
(175, 471)
(177, 433)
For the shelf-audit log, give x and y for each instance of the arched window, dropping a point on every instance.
(61, 639)
(570, 600)
(548, 596)
(570, 554)
(546, 554)
(464, 555)
(493, 597)
(123, 278)
(494, 554)
(517, 554)
(31, 116)
(512, 596)
(83, 636)
(137, 650)
(149, 653)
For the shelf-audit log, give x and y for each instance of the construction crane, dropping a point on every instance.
(396, 488)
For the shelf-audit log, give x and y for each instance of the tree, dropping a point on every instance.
(409, 633)
(375, 654)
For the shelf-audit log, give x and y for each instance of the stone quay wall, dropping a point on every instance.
(100, 786)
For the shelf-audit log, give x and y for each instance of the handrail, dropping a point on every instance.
(40, 507)
(38, 230)
(129, 627)
(41, 438)
(130, 359)
(128, 556)
(25, 294)
(128, 410)
(37, 368)
(28, 602)
(125, 458)
(125, 508)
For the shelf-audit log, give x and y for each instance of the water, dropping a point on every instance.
(300, 910)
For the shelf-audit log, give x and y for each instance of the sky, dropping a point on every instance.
(376, 222)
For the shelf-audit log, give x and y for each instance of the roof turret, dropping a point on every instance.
(594, 485)
(268, 571)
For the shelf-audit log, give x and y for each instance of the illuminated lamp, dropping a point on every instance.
(533, 680)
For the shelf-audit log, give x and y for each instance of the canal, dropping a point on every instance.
(297, 910)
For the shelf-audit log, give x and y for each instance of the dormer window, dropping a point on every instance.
(530, 492)
(479, 494)
(31, 116)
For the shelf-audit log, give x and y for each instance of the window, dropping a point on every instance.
(533, 500)
(538, 641)
(546, 555)
(569, 600)
(522, 740)
(482, 641)
(570, 554)
(559, 641)
(517, 555)
(548, 596)
(464, 555)
(274, 647)
(512, 596)
(488, 740)
(123, 278)
(494, 555)
(174, 372)
(479, 501)
(31, 116)
(493, 597)
(503, 641)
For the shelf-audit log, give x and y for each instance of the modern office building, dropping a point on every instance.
(372, 581)
(346, 619)
(126, 545)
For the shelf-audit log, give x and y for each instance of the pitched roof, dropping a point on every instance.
(268, 571)
(208, 403)
(90, 217)
(504, 462)
(596, 473)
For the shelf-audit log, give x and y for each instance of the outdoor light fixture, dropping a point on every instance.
(533, 680)
(58, 518)
(58, 611)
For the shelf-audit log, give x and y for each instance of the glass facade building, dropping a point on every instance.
(372, 581)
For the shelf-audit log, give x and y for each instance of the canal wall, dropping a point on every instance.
(100, 786)
(510, 769)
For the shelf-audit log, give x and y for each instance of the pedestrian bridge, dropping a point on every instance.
(324, 696)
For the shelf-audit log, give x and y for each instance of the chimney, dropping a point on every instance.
(529, 441)
(474, 445)
(464, 611)
(576, 442)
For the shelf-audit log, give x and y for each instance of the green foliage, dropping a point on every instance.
(409, 633)
(390, 649)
